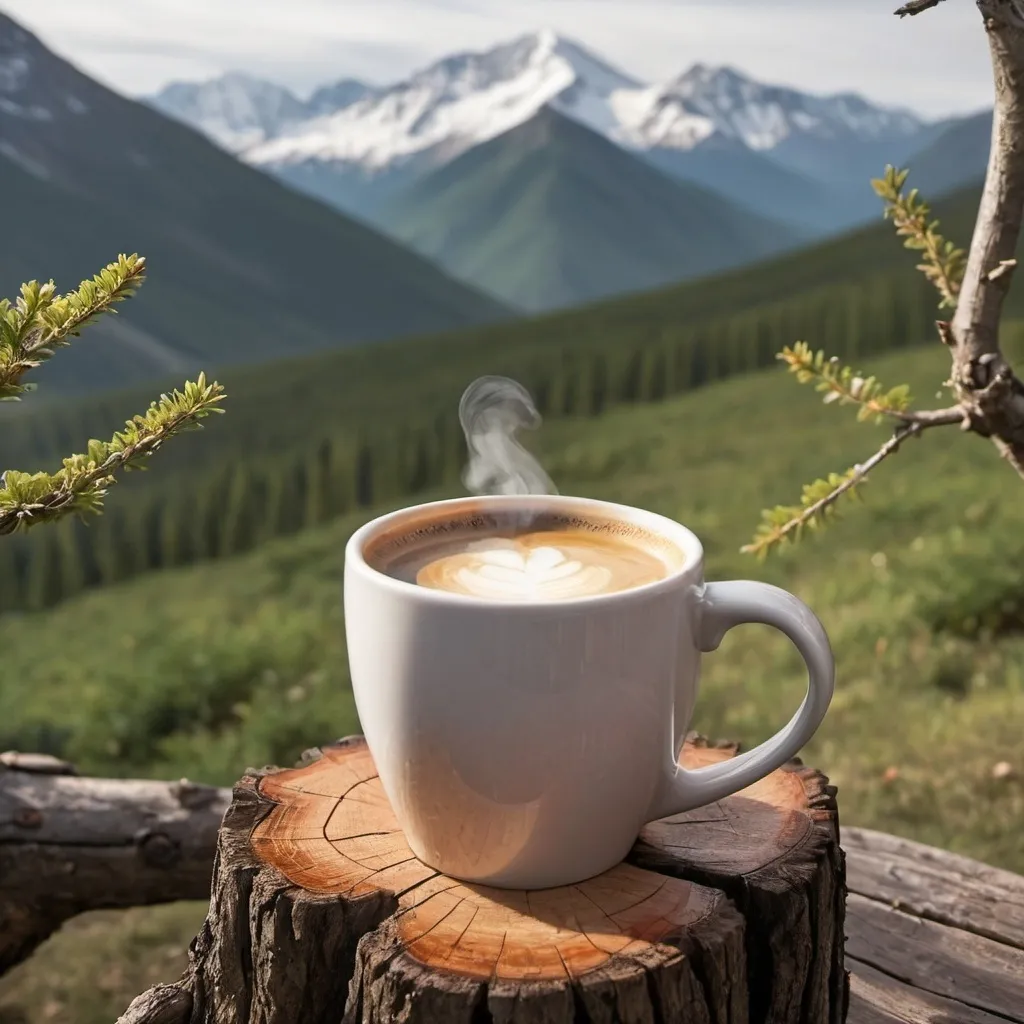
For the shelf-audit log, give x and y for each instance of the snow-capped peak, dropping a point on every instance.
(469, 97)
(456, 103)
(762, 116)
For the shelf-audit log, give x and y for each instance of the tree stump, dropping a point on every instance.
(320, 914)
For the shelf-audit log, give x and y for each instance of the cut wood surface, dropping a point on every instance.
(71, 844)
(321, 913)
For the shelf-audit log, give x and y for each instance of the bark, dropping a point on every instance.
(71, 844)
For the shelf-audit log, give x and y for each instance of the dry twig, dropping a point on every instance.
(916, 7)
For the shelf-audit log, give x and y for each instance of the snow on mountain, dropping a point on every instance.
(236, 110)
(468, 98)
(28, 92)
(706, 100)
(456, 104)
(15, 61)
(353, 133)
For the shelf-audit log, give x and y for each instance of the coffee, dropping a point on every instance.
(535, 558)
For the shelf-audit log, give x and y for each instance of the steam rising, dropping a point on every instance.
(492, 410)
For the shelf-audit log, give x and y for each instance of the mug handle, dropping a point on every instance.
(723, 606)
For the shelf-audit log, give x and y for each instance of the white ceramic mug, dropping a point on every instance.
(524, 745)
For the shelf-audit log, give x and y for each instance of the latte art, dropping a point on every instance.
(513, 570)
(541, 566)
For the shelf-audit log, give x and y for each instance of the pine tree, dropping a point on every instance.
(657, 376)
(208, 512)
(632, 377)
(341, 477)
(11, 576)
(274, 506)
(316, 469)
(598, 384)
(419, 471)
(44, 577)
(570, 389)
(103, 543)
(177, 536)
(235, 532)
(71, 562)
(681, 361)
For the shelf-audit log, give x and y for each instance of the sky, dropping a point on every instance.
(936, 63)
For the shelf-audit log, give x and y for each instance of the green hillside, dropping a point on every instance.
(242, 268)
(382, 383)
(551, 214)
(202, 671)
(308, 440)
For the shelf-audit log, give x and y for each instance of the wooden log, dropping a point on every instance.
(936, 885)
(321, 913)
(70, 844)
(932, 936)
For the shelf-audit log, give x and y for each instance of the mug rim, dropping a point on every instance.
(686, 540)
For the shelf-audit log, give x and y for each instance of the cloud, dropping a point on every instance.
(936, 63)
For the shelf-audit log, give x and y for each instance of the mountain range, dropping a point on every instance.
(534, 172)
(784, 153)
(241, 268)
(541, 174)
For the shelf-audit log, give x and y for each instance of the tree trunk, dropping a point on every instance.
(730, 914)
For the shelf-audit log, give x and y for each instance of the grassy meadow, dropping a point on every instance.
(201, 670)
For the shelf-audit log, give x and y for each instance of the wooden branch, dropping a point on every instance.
(916, 7)
(985, 383)
(933, 417)
(859, 475)
(71, 844)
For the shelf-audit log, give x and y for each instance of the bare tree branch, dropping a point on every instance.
(934, 417)
(889, 448)
(916, 7)
(70, 844)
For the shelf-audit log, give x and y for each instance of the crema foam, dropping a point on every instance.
(546, 561)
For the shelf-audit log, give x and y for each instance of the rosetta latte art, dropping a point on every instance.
(539, 567)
